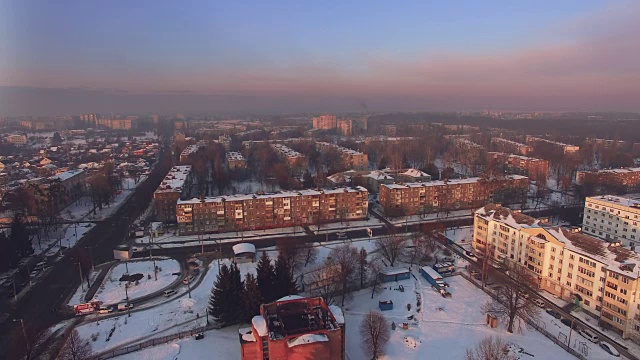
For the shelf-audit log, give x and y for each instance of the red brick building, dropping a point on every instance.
(425, 197)
(624, 179)
(536, 169)
(176, 184)
(295, 328)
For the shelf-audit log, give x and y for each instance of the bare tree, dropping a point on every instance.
(489, 348)
(309, 253)
(423, 247)
(375, 333)
(390, 248)
(344, 259)
(76, 348)
(511, 301)
(363, 266)
(324, 284)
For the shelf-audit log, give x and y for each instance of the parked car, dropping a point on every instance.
(168, 293)
(609, 348)
(188, 280)
(448, 259)
(471, 255)
(105, 310)
(553, 313)
(589, 335)
(569, 323)
(539, 302)
(124, 306)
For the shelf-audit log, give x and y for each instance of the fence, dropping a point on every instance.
(540, 329)
(150, 343)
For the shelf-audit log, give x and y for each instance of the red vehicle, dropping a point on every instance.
(86, 308)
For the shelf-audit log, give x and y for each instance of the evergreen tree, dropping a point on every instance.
(8, 256)
(20, 237)
(265, 278)
(284, 284)
(56, 139)
(221, 307)
(251, 298)
(237, 288)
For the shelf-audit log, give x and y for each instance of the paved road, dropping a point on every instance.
(39, 307)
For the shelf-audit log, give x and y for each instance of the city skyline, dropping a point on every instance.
(68, 57)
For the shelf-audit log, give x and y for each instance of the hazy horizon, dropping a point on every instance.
(73, 57)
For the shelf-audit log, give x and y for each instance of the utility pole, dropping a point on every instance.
(24, 332)
(91, 257)
(219, 253)
(81, 277)
(188, 282)
(155, 269)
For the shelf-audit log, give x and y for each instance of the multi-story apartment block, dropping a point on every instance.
(18, 140)
(613, 218)
(536, 169)
(35, 125)
(345, 127)
(603, 279)
(267, 211)
(506, 145)
(566, 148)
(188, 151)
(73, 183)
(295, 328)
(115, 124)
(425, 197)
(352, 159)
(325, 122)
(624, 179)
(462, 143)
(235, 160)
(176, 184)
(292, 157)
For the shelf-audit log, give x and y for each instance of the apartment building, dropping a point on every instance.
(601, 278)
(352, 159)
(18, 140)
(613, 218)
(176, 184)
(188, 151)
(537, 169)
(295, 328)
(566, 148)
(235, 160)
(424, 197)
(325, 122)
(292, 157)
(73, 183)
(345, 127)
(267, 211)
(115, 124)
(509, 146)
(623, 179)
(463, 143)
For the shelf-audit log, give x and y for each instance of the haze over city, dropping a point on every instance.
(68, 57)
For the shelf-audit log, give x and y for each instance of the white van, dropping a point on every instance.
(589, 335)
(168, 293)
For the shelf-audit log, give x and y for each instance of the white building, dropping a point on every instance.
(613, 218)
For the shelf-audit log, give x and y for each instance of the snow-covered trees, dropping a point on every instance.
(76, 348)
(489, 348)
(266, 278)
(225, 303)
(251, 298)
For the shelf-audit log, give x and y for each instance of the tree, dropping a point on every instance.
(344, 260)
(309, 253)
(265, 277)
(283, 283)
(390, 248)
(9, 257)
(226, 297)
(363, 266)
(19, 236)
(76, 348)
(323, 284)
(489, 348)
(56, 140)
(251, 298)
(375, 332)
(291, 251)
(511, 301)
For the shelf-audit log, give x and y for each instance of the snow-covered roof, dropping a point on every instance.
(244, 248)
(247, 334)
(614, 171)
(290, 297)
(449, 182)
(260, 324)
(394, 270)
(66, 175)
(307, 339)
(337, 313)
(513, 219)
(616, 200)
(175, 179)
(241, 197)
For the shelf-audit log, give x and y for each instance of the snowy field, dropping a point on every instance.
(461, 235)
(112, 290)
(444, 328)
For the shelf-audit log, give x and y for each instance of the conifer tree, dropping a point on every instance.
(251, 298)
(19, 236)
(284, 284)
(220, 301)
(265, 278)
(237, 288)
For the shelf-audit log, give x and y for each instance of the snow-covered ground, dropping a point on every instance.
(112, 290)
(217, 344)
(81, 291)
(461, 235)
(443, 329)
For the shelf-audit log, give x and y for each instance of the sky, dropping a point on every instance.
(73, 56)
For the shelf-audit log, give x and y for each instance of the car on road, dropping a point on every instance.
(539, 303)
(609, 348)
(471, 255)
(554, 313)
(188, 280)
(589, 335)
(168, 293)
(341, 235)
(105, 310)
(125, 306)
(569, 323)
